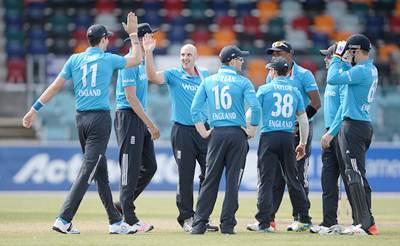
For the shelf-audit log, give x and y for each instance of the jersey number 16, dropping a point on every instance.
(223, 99)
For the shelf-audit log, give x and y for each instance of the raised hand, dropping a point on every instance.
(131, 23)
(149, 43)
(340, 48)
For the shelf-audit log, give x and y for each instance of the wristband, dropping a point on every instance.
(37, 105)
(134, 34)
(311, 111)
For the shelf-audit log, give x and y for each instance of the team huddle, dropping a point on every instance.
(214, 116)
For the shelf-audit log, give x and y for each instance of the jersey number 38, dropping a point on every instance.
(283, 104)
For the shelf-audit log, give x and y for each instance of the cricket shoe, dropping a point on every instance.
(332, 230)
(143, 227)
(298, 226)
(64, 227)
(273, 225)
(120, 228)
(318, 228)
(373, 230)
(354, 230)
(256, 227)
(187, 224)
(199, 229)
(211, 227)
(124, 228)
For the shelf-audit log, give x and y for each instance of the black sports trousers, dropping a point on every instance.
(188, 147)
(137, 160)
(302, 172)
(94, 128)
(276, 153)
(227, 149)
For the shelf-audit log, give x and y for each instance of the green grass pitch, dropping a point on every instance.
(26, 219)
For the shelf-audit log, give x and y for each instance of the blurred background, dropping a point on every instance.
(37, 36)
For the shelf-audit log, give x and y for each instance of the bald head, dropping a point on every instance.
(189, 48)
(188, 57)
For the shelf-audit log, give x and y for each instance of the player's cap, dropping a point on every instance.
(280, 46)
(329, 51)
(98, 31)
(279, 64)
(358, 41)
(231, 52)
(143, 28)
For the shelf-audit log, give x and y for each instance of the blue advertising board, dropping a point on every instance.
(54, 167)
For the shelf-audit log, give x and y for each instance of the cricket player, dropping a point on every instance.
(225, 94)
(355, 127)
(135, 134)
(304, 81)
(332, 162)
(280, 104)
(91, 73)
(187, 144)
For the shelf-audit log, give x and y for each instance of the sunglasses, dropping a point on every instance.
(279, 44)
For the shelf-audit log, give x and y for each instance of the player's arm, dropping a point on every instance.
(128, 79)
(315, 103)
(333, 129)
(260, 98)
(337, 74)
(304, 128)
(303, 132)
(253, 114)
(197, 111)
(337, 121)
(251, 99)
(46, 96)
(154, 76)
(310, 86)
(131, 28)
(130, 92)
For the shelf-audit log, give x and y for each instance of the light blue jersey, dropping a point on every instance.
(361, 81)
(333, 98)
(225, 94)
(303, 80)
(279, 104)
(91, 72)
(137, 77)
(182, 88)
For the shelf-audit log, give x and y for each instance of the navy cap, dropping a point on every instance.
(231, 52)
(143, 28)
(280, 46)
(328, 52)
(97, 31)
(358, 41)
(279, 64)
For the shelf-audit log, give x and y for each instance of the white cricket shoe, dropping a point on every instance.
(256, 227)
(121, 228)
(319, 229)
(143, 227)
(187, 224)
(354, 230)
(64, 227)
(334, 230)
